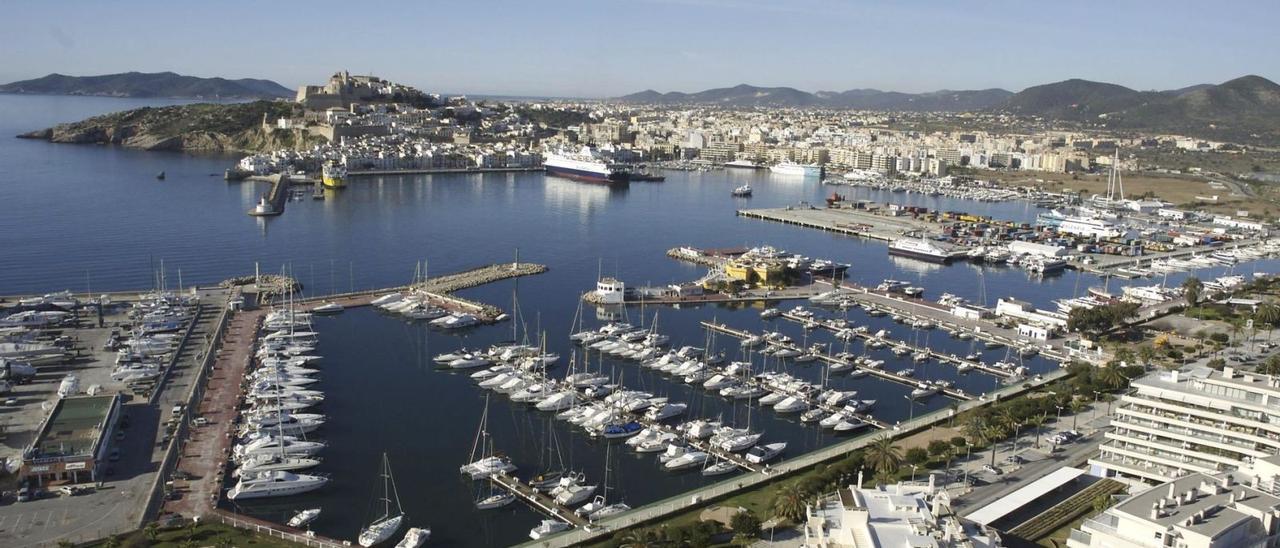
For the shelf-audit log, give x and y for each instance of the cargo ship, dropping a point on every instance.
(585, 166)
(792, 168)
(922, 249)
(333, 175)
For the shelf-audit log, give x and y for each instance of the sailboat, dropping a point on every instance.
(484, 463)
(599, 507)
(382, 528)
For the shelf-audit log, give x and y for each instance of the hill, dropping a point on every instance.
(216, 127)
(744, 95)
(1245, 109)
(158, 84)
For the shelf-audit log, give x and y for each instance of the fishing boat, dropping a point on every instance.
(382, 528)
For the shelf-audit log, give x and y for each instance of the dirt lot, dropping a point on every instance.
(1179, 190)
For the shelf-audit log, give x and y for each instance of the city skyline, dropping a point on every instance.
(560, 49)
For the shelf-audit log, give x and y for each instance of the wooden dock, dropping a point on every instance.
(538, 501)
(887, 375)
(893, 343)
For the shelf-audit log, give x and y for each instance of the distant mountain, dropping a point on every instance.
(159, 84)
(1246, 108)
(744, 95)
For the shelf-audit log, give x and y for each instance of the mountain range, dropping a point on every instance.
(1246, 108)
(155, 84)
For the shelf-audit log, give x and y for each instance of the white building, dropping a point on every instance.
(1177, 423)
(1196, 511)
(911, 515)
(610, 291)
(1026, 312)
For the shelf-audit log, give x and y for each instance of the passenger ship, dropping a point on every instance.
(918, 248)
(792, 168)
(333, 175)
(584, 166)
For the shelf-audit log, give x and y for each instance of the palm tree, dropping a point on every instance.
(1076, 407)
(994, 432)
(640, 538)
(1146, 353)
(1191, 289)
(1124, 354)
(1112, 377)
(112, 541)
(789, 503)
(152, 531)
(883, 457)
(1268, 315)
(1237, 327)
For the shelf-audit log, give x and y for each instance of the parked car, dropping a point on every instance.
(24, 494)
(991, 469)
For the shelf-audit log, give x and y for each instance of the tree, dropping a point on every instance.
(959, 442)
(1112, 378)
(1191, 290)
(152, 531)
(939, 448)
(883, 457)
(112, 541)
(64, 543)
(1101, 503)
(1271, 366)
(745, 525)
(1077, 407)
(917, 456)
(642, 538)
(1267, 315)
(789, 503)
(1145, 354)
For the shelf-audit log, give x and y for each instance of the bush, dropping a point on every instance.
(745, 524)
(960, 442)
(939, 448)
(917, 455)
(1220, 338)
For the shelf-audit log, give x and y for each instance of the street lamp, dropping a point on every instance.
(912, 405)
(913, 472)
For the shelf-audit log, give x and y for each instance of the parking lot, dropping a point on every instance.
(117, 502)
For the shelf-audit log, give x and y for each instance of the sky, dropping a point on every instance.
(607, 48)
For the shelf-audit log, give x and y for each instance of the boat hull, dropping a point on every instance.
(615, 178)
(940, 259)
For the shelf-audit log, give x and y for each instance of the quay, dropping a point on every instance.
(848, 221)
(197, 466)
(945, 358)
(1114, 265)
(443, 170)
(887, 375)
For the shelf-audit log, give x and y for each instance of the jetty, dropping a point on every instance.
(887, 375)
(843, 220)
(537, 500)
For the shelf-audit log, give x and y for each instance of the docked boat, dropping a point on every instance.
(455, 321)
(585, 165)
(761, 454)
(547, 528)
(919, 248)
(384, 527)
(792, 168)
(690, 459)
(275, 484)
(720, 468)
(415, 537)
(304, 518)
(328, 308)
(495, 501)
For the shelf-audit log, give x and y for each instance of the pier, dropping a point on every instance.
(893, 343)
(851, 222)
(537, 500)
(887, 375)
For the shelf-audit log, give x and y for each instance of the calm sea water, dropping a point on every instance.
(92, 217)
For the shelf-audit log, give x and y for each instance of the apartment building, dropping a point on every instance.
(1194, 421)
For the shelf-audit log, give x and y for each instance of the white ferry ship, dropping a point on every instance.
(585, 165)
(918, 248)
(792, 168)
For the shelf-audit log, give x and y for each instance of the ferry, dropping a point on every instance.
(918, 248)
(742, 164)
(584, 166)
(792, 168)
(333, 175)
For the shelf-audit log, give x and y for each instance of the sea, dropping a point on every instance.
(97, 219)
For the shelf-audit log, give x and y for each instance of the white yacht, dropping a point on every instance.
(416, 537)
(384, 527)
(304, 518)
(761, 454)
(275, 484)
(547, 528)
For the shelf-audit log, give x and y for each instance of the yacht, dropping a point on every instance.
(415, 537)
(547, 528)
(792, 168)
(261, 463)
(761, 454)
(275, 484)
(304, 518)
(919, 248)
(742, 191)
(455, 321)
(690, 459)
(329, 307)
(497, 500)
(384, 527)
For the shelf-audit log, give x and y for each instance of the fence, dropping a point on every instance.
(716, 491)
(263, 528)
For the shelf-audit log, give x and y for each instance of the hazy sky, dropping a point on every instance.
(608, 48)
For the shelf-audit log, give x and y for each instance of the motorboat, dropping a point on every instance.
(275, 484)
(812, 415)
(304, 518)
(547, 528)
(415, 537)
(573, 493)
(742, 191)
(792, 404)
(738, 443)
(665, 411)
(690, 459)
(761, 454)
(850, 424)
(329, 307)
(272, 463)
(455, 321)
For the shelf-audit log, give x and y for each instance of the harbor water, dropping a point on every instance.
(96, 218)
